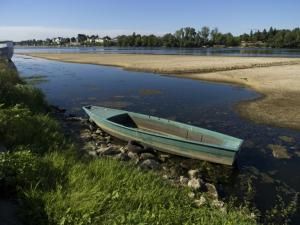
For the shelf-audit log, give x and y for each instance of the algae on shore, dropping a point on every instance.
(279, 151)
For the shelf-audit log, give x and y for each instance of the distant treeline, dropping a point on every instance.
(187, 37)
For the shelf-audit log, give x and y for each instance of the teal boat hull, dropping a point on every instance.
(167, 135)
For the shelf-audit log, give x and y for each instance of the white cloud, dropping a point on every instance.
(18, 33)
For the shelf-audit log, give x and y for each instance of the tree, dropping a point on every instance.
(81, 38)
(278, 40)
(290, 39)
(214, 35)
(205, 34)
(169, 40)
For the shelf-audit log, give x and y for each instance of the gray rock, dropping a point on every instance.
(173, 171)
(98, 131)
(122, 157)
(92, 153)
(183, 180)
(133, 155)
(123, 149)
(147, 155)
(211, 190)
(200, 202)
(84, 121)
(111, 150)
(94, 136)
(86, 135)
(185, 165)
(195, 184)
(74, 118)
(165, 168)
(92, 127)
(193, 174)
(164, 157)
(135, 147)
(150, 164)
(165, 176)
(101, 144)
(108, 139)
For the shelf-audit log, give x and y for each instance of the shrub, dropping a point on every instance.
(19, 126)
(18, 170)
(14, 91)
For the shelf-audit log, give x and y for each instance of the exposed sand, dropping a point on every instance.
(278, 79)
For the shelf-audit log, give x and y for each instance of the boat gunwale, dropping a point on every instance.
(235, 150)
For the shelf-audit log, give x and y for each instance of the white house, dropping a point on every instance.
(57, 40)
(99, 40)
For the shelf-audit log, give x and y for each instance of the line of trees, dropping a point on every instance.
(187, 37)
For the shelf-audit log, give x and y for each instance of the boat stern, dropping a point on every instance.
(101, 112)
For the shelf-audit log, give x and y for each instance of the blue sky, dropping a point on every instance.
(24, 19)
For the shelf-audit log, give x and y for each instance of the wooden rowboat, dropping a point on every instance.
(166, 135)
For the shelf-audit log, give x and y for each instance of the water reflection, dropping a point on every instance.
(270, 52)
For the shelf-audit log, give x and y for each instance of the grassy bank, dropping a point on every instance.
(277, 79)
(56, 186)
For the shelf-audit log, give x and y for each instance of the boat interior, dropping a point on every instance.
(161, 127)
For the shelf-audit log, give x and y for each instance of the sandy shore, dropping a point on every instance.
(277, 79)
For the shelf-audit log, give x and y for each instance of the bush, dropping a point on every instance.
(19, 126)
(8, 76)
(14, 91)
(17, 169)
(22, 170)
(25, 95)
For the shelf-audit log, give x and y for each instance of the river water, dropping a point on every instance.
(252, 52)
(261, 179)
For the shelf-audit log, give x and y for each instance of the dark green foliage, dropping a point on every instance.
(19, 126)
(188, 37)
(21, 169)
(14, 91)
(14, 167)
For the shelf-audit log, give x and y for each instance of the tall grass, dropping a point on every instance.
(55, 186)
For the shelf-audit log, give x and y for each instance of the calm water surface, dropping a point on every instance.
(253, 52)
(261, 177)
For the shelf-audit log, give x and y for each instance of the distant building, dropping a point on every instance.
(57, 40)
(99, 40)
(90, 40)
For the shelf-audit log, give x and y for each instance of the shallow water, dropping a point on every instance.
(251, 52)
(261, 177)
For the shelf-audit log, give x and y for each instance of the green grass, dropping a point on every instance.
(55, 186)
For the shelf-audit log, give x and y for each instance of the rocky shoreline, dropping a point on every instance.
(179, 171)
